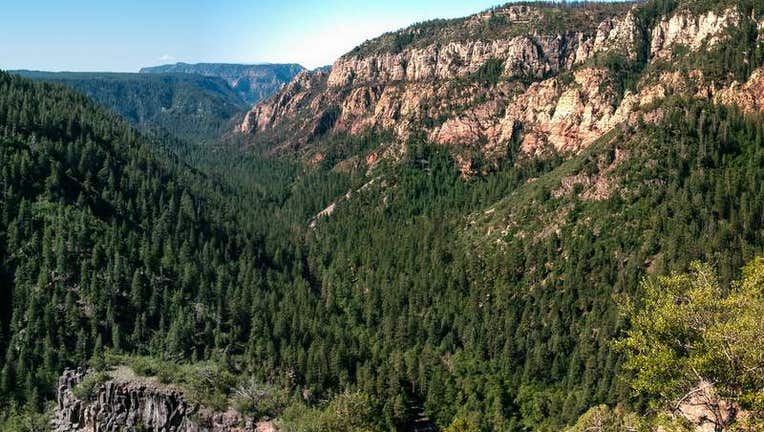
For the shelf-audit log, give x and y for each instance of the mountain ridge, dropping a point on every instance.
(556, 92)
(253, 82)
(188, 106)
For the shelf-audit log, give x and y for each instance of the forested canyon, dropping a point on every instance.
(540, 217)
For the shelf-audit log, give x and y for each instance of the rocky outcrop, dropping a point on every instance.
(402, 90)
(567, 118)
(521, 56)
(749, 96)
(305, 87)
(691, 31)
(118, 405)
(703, 408)
(596, 186)
(550, 95)
(621, 34)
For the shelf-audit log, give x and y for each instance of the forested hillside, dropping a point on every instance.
(252, 83)
(190, 107)
(108, 240)
(366, 279)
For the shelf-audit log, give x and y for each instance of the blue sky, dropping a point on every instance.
(124, 35)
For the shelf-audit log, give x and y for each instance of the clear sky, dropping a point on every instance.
(124, 35)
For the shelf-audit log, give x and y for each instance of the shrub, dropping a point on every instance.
(144, 366)
(350, 412)
(259, 399)
(87, 388)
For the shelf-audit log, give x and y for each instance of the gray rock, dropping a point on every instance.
(120, 406)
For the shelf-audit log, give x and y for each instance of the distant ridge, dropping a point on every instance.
(253, 82)
(189, 106)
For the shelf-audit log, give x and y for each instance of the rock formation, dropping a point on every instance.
(119, 405)
(552, 95)
(692, 31)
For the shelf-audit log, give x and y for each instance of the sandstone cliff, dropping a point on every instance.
(554, 91)
(138, 404)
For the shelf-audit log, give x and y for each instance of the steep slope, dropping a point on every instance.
(616, 156)
(111, 241)
(253, 83)
(550, 76)
(127, 402)
(454, 80)
(187, 106)
(508, 310)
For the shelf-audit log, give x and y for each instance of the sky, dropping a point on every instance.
(125, 35)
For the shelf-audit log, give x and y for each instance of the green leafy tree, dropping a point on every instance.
(690, 335)
(350, 412)
(464, 424)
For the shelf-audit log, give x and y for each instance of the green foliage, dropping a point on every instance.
(87, 205)
(260, 400)
(145, 366)
(190, 107)
(463, 424)
(298, 417)
(88, 387)
(424, 293)
(350, 412)
(673, 205)
(703, 6)
(209, 383)
(624, 73)
(689, 331)
(346, 412)
(13, 419)
(604, 419)
(733, 60)
(489, 73)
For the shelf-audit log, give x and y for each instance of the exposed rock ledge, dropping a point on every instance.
(422, 90)
(120, 405)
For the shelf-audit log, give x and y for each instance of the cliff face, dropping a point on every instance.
(304, 92)
(120, 405)
(551, 91)
(525, 56)
(692, 31)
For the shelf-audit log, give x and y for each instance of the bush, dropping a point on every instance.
(350, 412)
(15, 419)
(347, 412)
(207, 383)
(89, 385)
(298, 417)
(144, 366)
(463, 424)
(259, 399)
(690, 329)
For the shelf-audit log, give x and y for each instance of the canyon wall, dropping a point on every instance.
(551, 95)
